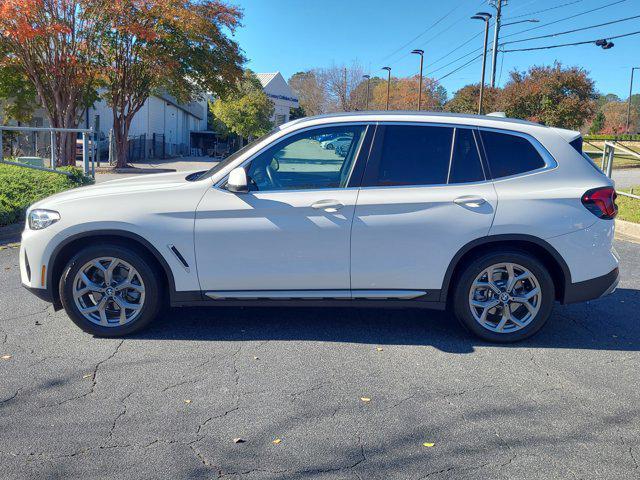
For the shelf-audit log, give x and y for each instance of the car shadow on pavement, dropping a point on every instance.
(610, 323)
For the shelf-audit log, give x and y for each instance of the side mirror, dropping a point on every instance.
(237, 182)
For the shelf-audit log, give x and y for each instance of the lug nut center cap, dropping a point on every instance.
(110, 292)
(504, 297)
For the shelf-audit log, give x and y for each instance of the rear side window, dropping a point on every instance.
(412, 155)
(510, 154)
(465, 165)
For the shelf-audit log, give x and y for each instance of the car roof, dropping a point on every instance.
(506, 123)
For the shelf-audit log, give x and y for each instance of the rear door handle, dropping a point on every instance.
(470, 201)
(330, 206)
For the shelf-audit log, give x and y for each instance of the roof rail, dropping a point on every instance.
(497, 114)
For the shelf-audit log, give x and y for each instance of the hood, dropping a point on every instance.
(138, 183)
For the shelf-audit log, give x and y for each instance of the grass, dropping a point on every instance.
(629, 208)
(20, 187)
(620, 159)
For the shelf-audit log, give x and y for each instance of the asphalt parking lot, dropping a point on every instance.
(320, 393)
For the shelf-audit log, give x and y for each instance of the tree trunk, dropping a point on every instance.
(121, 133)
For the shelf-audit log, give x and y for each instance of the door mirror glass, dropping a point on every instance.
(237, 182)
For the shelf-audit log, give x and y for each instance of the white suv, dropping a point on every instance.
(495, 218)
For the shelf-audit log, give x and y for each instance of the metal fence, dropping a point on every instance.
(608, 156)
(20, 141)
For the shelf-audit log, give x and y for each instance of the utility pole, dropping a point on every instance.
(629, 100)
(388, 69)
(497, 4)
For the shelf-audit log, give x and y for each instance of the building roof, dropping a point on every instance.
(265, 78)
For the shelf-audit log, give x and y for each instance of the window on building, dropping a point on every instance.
(510, 154)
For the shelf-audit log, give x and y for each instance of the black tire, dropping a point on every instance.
(145, 267)
(462, 288)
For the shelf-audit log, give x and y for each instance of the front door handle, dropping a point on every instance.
(330, 206)
(470, 201)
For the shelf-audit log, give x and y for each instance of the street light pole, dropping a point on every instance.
(368, 80)
(629, 100)
(485, 17)
(388, 69)
(417, 51)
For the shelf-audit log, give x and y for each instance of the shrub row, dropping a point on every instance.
(20, 187)
(624, 137)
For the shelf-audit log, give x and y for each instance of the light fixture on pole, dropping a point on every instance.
(484, 16)
(629, 100)
(368, 77)
(388, 69)
(417, 51)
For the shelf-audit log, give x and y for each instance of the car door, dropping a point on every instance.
(289, 235)
(424, 196)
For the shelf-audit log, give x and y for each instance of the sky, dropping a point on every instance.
(296, 35)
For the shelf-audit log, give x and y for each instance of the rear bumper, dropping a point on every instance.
(591, 289)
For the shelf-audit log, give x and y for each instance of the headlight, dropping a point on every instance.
(39, 219)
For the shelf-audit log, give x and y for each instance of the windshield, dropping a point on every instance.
(234, 156)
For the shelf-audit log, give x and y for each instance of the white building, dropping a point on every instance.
(279, 92)
(162, 127)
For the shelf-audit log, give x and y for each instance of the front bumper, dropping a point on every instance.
(593, 288)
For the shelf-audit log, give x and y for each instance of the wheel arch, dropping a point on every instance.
(542, 250)
(71, 245)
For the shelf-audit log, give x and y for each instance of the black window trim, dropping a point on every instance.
(378, 140)
(549, 162)
(361, 156)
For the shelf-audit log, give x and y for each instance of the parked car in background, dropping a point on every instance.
(492, 218)
(102, 144)
(335, 142)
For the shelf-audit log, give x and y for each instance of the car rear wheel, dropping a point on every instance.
(504, 296)
(110, 290)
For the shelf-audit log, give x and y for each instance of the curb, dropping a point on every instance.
(629, 230)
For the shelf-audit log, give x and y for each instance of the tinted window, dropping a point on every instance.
(466, 166)
(303, 161)
(510, 154)
(412, 155)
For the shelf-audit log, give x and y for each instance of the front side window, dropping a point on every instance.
(412, 155)
(510, 154)
(318, 158)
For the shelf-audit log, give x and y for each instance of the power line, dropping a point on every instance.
(459, 58)
(459, 68)
(544, 10)
(422, 33)
(569, 44)
(565, 18)
(571, 31)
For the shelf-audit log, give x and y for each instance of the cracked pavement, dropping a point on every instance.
(168, 402)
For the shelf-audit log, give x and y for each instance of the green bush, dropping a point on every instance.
(20, 187)
(620, 138)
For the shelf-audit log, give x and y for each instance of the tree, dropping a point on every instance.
(310, 91)
(177, 46)
(246, 111)
(359, 93)
(295, 113)
(403, 94)
(466, 99)
(597, 124)
(55, 45)
(554, 96)
(615, 123)
(339, 82)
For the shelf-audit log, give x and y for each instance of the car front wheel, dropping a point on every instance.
(504, 296)
(110, 290)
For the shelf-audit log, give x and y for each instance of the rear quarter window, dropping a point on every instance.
(509, 154)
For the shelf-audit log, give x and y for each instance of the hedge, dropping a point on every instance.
(20, 187)
(620, 138)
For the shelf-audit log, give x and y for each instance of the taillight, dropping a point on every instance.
(601, 202)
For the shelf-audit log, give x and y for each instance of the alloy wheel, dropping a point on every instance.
(505, 297)
(108, 291)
